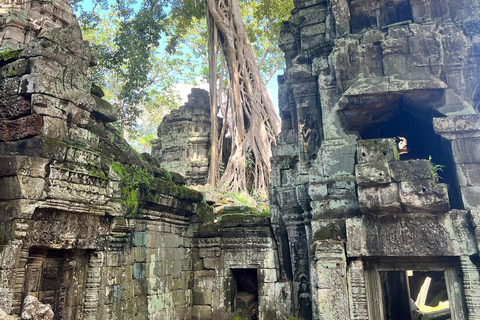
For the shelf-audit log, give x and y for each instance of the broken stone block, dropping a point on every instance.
(369, 174)
(21, 128)
(411, 170)
(382, 198)
(35, 310)
(424, 196)
(106, 111)
(377, 150)
(6, 316)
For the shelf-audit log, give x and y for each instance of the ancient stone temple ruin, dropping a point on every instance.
(375, 178)
(183, 142)
(375, 230)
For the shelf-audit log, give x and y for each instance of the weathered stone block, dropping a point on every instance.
(267, 275)
(466, 150)
(470, 197)
(338, 160)
(82, 137)
(330, 271)
(379, 199)
(201, 313)
(21, 128)
(334, 208)
(28, 166)
(6, 297)
(14, 106)
(457, 127)
(106, 111)
(377, 150)
(16, 68)
(203, 297)
(9, 87)
(372, 173)
(21, 187)
(212, 263)
(54, 128)
(139, 270)
(424, 196)
(411, 170)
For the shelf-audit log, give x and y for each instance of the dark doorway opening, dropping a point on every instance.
(245, 293)
(57, 277)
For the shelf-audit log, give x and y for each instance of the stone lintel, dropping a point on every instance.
(419, 234)
(458, 127)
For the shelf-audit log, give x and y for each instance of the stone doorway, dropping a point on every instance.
(245, 293)
(57, 277)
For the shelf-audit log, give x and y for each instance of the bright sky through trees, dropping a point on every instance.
(186, 66)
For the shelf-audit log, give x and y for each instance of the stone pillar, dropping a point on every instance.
(358, 293)
(92, 285)
(471, 283)
(330, 268)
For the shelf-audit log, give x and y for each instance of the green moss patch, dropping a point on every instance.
(205, 212)
(8, 56)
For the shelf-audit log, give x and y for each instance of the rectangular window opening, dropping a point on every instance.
(415, 295)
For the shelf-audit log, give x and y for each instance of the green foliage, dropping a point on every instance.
(435, 169)
(244, 199)
(137, 75)
(265, 212)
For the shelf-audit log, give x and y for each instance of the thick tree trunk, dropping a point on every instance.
(255, 125)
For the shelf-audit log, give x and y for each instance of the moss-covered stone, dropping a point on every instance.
(174, 190)
(330, 231)
(8, 56)
(209, 229)
(236, 220)
(205, 212)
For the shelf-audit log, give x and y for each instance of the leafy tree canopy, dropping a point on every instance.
(145, 48)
